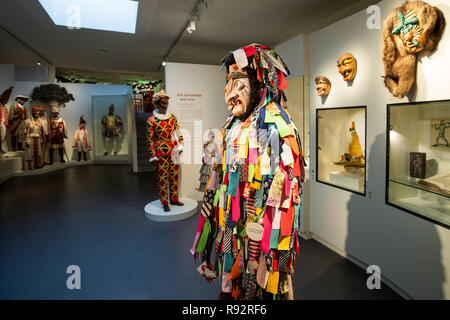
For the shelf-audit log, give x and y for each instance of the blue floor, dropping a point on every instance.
(92, 216)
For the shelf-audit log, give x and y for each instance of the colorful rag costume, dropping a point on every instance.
(163, 136)
(251, 206)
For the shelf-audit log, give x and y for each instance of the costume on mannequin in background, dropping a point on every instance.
(45, 146)
(17, 114)
(81, 141)
(4, 98)
(165, 141)
(57, 131)
(210, 152)
(112, 126)
(251, 206)
(33, 133)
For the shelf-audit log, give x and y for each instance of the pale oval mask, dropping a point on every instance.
(237, 92)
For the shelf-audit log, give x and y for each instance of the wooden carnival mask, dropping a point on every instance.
(347, 66)
(412, 28)
(237, 91)
(323, 86)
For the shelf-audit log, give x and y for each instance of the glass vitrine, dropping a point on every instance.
(341, 147)
(418, 159)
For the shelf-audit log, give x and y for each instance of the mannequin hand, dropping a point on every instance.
(153, 160)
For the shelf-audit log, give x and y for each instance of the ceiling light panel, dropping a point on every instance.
(107, 15)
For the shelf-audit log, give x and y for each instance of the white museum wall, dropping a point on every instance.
(197, 100)
(413, 254)
(292, 53)
(71, 113)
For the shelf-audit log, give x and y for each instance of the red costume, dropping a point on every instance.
(161, 130)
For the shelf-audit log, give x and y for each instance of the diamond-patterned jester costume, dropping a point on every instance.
(251, 207)
(162, 130)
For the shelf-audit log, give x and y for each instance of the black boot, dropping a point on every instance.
(84, 156)
(79, 156)
(61, 155)
(177, 203)
(50, 153)
(166, 208)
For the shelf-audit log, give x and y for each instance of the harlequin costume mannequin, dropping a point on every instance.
(33, 133)
(17, 115)
(81, 142)
(111, 130)
(251, 206)
(4, 98)
(165, 140)
(57, 131)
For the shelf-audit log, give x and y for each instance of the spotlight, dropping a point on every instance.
(163, 63)
(38, 63)
(191, 27)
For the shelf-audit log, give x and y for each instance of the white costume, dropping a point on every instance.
(81, 142)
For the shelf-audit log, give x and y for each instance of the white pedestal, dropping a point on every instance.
(154, 211)
(347, 181)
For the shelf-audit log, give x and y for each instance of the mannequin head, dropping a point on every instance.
(21, 99)
(161, 101)
(111, 109)
(35, 112)
(82, 122)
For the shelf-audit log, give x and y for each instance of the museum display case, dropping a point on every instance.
(110, 115)
(418, 159)
(341, 148)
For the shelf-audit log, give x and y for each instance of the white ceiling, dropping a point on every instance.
(224, 26)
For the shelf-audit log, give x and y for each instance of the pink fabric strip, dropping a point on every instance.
(201, 223)
(194, 246)
(276, 224)
(236, 205)
(265, 241)
(252, 155)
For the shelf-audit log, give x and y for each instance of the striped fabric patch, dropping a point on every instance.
(250, 207)
(283, 259)
(254, 249)
(206, 209)
(227, 240)
(243, 174)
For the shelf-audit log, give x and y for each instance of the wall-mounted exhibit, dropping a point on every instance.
(418, 158)
(341, 147)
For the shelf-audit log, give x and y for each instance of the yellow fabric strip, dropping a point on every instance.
(283, 244)
(272, 283)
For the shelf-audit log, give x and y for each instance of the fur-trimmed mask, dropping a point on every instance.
(412, 28)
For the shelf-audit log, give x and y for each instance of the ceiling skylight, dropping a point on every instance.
(108, 15)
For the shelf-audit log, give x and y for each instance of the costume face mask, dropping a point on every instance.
(412, 28)
(237, 92)
(347, 66)
(323, 86)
